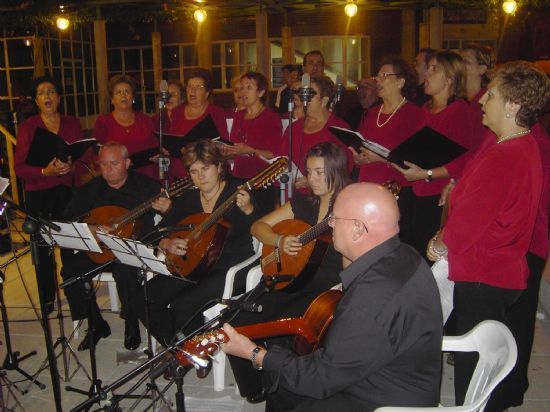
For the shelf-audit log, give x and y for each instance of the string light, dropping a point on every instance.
(509, 6)
(200, 15)
(62, 22)
(350, 9)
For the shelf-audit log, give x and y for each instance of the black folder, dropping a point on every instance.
(426, 148)
(46, 145)
(205, 129)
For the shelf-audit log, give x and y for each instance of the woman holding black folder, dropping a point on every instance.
(124, 125)
(448, 113)
(47, 189)
(198, 105)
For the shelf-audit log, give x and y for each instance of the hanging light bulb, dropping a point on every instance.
(509, 6)
(200, 15)
(62, 23)
(350, 9)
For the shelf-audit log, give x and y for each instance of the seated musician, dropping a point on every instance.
(383, 347)
(327, 175)
(173, 301)
(115, 187)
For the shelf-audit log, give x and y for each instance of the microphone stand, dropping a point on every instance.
(32, 227)
(286, 178)
(164, 162)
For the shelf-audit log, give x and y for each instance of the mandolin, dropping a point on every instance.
(123, 221)
(309, 331)
(207, 237)
(302, 266)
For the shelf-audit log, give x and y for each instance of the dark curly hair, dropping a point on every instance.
(261, 84)
(121, 78)
(326, 87)
(44, 79)
(523, 83)
(204, 74)
(206, 151)
(404, 71)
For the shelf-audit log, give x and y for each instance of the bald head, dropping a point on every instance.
(366, 215)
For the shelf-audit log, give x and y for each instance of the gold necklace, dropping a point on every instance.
(206, 200)
(391, 115)
(511, 136)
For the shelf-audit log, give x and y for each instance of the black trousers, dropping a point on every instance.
(284, 400)
(49, 204)
(420, 219)
(126, 278)
(474, 303)
(521, 322)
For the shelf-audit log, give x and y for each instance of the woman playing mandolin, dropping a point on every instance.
(207, 169)
(327, 175)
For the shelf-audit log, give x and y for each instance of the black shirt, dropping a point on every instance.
(383, 347)
(136, 190)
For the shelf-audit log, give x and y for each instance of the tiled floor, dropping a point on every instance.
(27, 335)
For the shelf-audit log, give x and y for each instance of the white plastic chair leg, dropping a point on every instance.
(113, 296)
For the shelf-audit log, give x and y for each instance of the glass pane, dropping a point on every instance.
(303, 45)
(19, 54)
(150, 103)
(21, 79)
(4, 86)
(217, 77)
(54, 46)
(77, 50)
(2, 60)
(114, 60)
(91, 105)
(69, 101)
(354, 74)
(190, 56)
(137, 79)
(69, 81)
(216, 54)
(230, 74)
(79, 80)
(90, 81)
(131, 60)
(148, 81)
(333, 69)
(332, 50)
(66, 49)
(276, 50)
(89, 55)
(171, 74)
(170, 56)
(56, 74)
(353, 52)
(81, 105)
(251, 54)
(147, 57)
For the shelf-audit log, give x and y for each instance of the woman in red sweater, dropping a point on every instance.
(177, 97)
(47, 189)
(493, 208)
(124, 125)
(449, 114)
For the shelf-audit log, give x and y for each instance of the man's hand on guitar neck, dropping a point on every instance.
(174, 246)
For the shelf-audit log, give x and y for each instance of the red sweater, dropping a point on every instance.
(477, 116)
(263, 133)
(455, 122)
(539, 242)
(136, 137)
(492, 214)
(302, 142)
(408, 120)
(32, 177)
(181, 125)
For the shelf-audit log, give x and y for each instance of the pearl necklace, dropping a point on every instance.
(511, 136)
(391, 115)
(207, 201)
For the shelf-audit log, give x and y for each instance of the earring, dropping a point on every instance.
(508, 115)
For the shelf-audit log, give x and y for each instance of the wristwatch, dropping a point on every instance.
(430, 176)
(255, 352)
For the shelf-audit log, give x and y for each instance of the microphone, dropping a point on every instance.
(181, 228)
(246, 306)
(164, 94)
(306, 92)
(339, 89)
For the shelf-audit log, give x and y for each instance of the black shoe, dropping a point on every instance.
(132, 337)
(102, 332)
(50, 306)
(257, 397)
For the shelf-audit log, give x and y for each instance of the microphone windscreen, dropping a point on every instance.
(163, 86)
(339, 80)
(306, 81)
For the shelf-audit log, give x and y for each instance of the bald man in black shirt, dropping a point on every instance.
(383, 347)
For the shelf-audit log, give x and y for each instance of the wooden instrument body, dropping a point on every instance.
(309, 329)
(106, 216)
(303, 266)
(203, 248)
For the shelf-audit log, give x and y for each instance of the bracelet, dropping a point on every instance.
(255, 352)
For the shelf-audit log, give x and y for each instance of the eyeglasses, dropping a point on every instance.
(332, 220)
(385, 75)
(46, 92)
(196, 87)
(121, 92)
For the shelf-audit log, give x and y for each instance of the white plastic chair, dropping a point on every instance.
(218, 363)
(497, 356)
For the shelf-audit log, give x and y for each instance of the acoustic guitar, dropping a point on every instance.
(206, 239)
(309, 331)
(302, 266)
(123, 221)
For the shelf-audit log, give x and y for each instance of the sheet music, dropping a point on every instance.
(72, 236)
(4, 183)
(134, 253)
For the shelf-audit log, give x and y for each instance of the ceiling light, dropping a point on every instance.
(200, 15)
(509, 6)
(62, 23)
(350, 9)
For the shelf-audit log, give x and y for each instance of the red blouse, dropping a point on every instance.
(32, 177)
(136, 137)
(408, 120)
(302, 142)
(455, 122)
(490, 224)
(477, 119)
(180, 125)
(263, 133)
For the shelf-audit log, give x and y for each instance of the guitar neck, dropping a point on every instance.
(314, 232)
(283, 327)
